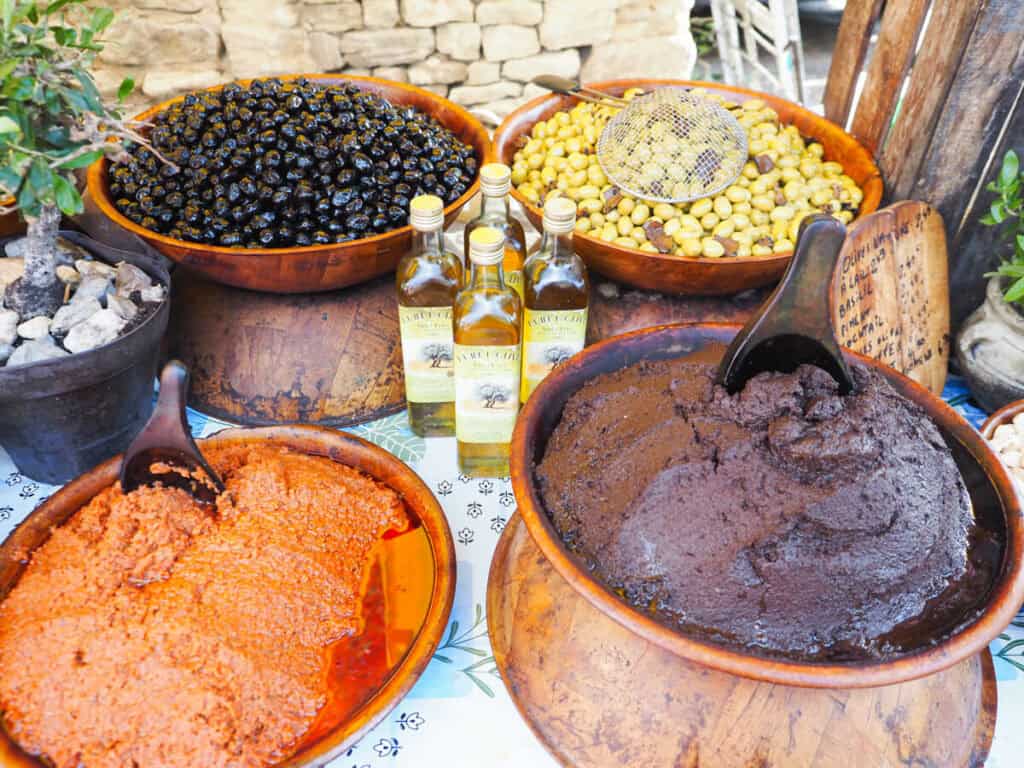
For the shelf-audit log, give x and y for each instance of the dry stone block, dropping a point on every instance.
(160, 84)
(507, 41)
(480, 94)
(325, 49)
(565, 63)
(525, 12)
(438, 88)
(386, 47)
(531, 91)
(259, 51)
(163, 37)
(433, 13)
(502, 107)
(437, 69)
(483, 72)
(181, 6)
(268, 13)
(357, 71)
(651, 57)
(380, 14)
(336, 17)
(460, 40)
(398, 74)
(566, 24)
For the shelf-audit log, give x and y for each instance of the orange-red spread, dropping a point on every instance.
(150, 631)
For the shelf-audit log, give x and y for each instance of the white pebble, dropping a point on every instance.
(1004, 436)
(1018, 422)
(1010, 458)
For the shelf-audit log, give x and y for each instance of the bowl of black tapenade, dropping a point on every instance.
(292, 184)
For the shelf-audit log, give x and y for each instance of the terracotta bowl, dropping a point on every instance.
(333, 739)
(674, 274)
(996, 507)
(315, 267)
(1003, 416)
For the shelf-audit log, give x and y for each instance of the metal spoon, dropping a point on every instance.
(564, 85)
(166, 440)
(794, 326)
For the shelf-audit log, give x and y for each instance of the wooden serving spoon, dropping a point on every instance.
(166, 440)
(567, 87)
(794, 326)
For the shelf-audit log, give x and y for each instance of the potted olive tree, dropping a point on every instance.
(80, 322)
(990, 347)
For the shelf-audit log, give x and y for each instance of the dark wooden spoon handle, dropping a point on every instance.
(794, 326)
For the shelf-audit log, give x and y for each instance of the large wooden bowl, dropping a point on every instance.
(315, 267)
(994, 501)
(332, 740)
(668, 273)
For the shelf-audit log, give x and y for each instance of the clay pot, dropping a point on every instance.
(315, 267)
(990, 350)
(338, 446)
(668, 273)
(627, 690)
(63, 416)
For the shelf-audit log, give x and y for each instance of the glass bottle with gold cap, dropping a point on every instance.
(487, 319)
(428, 279)
(556, 295)
(495, 182)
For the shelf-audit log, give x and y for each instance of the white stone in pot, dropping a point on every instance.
(131, 278)
(123, 306)
(153, 294)
(68, 275)
(36, 351)
(6, 350)
(92, 287)
(102, 328)
(35, 328)
(460, 40)
(508, 41)
(8, 326)
(70, 315)
(88, 267)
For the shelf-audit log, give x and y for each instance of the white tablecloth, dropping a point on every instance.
(459, 714)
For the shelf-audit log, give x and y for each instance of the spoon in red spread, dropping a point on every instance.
(164, 452)
(794, 326)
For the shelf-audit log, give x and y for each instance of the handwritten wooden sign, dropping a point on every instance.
(891, 297)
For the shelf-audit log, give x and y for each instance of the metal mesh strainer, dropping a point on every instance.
(672, 146)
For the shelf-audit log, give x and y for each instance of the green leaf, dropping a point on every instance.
(7, 125)
(1020, 243)
(64, 35)
(987, 220)
(7, 67)
(1011, 168)
(68, 199)
(82, 161)
(1015, 293)
(125, 89)
(998, 211)
(101, 18)
(56, 6)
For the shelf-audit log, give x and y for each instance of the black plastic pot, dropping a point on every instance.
(61, 417)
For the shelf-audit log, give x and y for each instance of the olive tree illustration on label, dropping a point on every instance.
(550, 338)
(427, 352)
(487, 380)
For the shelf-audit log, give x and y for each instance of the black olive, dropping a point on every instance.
(266, 237)
(230, 239)
(320, 237)
(342, 196)
(303, 239)
(357, 222)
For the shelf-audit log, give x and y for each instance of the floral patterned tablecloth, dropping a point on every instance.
(459, 714)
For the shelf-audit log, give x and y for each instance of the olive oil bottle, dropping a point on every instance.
(428, 279)
(495, 182)
(556, 295)
(487, 320)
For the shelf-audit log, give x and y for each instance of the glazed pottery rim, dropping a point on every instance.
(1003, 602)
(372, 460)
(874, 180)
(97, 177)
(8, 372)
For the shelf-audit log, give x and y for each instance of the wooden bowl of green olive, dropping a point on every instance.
(799, 163)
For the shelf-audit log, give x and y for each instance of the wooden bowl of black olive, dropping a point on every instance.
(292, 184)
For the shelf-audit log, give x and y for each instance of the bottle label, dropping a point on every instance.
(427, 354)
(550, 337)
(514, 280)
(486, 384)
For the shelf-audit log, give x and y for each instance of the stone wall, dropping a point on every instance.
(477, 52)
